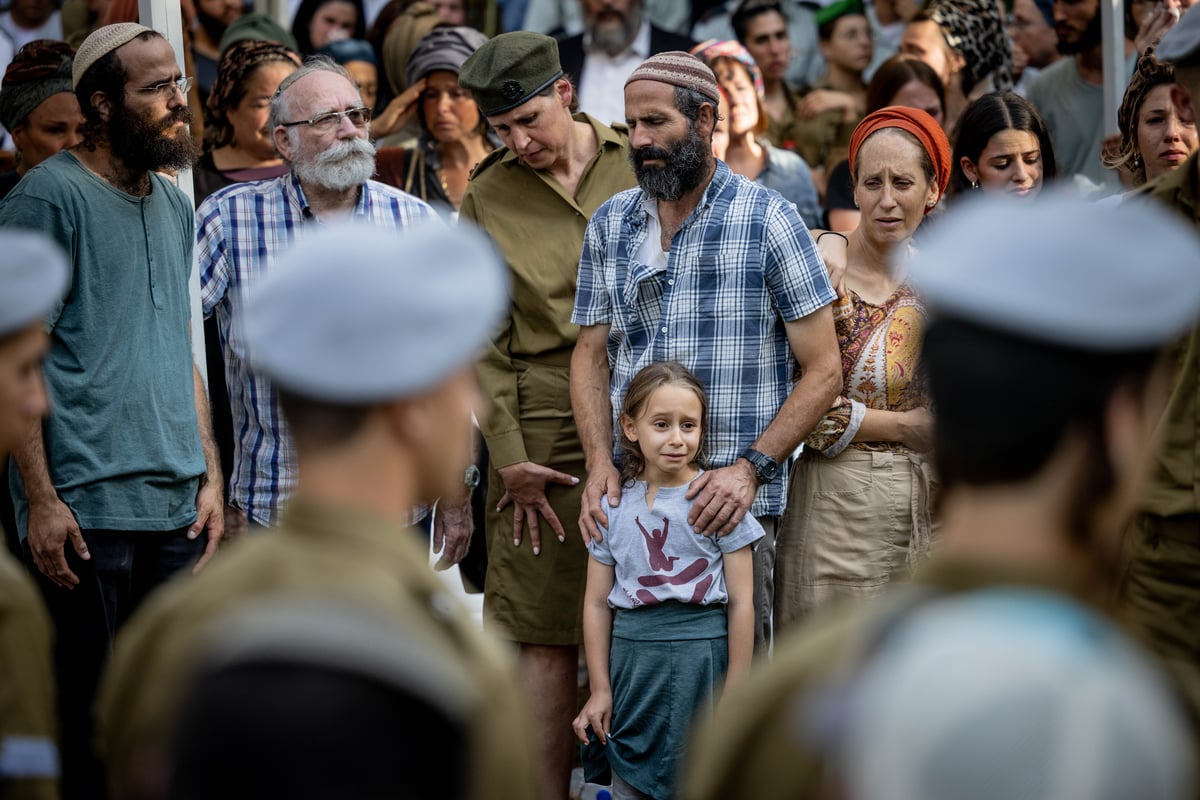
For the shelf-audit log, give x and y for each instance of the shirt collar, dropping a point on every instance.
(296, 198)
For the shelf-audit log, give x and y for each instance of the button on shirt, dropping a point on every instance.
(742, 264)
(240, 232)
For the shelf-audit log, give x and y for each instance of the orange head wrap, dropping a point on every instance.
(920, 125)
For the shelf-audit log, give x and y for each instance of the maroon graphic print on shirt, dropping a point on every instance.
(656, 542)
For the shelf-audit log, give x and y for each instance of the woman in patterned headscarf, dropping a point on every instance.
(38, 106)
(966, 44)
(863, 486)
(238, 147)
(453, 135)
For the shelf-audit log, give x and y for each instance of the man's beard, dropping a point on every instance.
(345, 165)
(145, 145)
(612, 36)
(1088, 40)
(685, 165)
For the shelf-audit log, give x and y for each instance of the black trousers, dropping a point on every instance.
(125, 566)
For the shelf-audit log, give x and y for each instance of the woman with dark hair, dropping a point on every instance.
(319, 22)
(1001, 145)
(237, 146)
(899, 81)
(762, 28)
(863, 484)
(1154, 140)
(453, 135)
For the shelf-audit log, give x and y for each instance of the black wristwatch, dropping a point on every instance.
(765, 467)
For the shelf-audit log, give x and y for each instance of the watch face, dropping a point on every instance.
(767, 472)
(471, 477)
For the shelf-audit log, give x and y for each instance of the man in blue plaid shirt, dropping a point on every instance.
(320, 128)
(703, 267)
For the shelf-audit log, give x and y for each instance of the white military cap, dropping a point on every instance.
(1063, 271)
(33, 277)
(361, 314)
(1181, 44)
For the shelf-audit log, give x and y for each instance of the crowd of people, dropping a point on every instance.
(810, 389)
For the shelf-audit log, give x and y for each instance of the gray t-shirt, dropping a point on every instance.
(659, 557)
(121, 440)
(1074, 113)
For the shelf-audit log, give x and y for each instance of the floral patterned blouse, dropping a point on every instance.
(880, 347)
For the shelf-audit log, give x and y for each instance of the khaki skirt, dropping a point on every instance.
(852, 523)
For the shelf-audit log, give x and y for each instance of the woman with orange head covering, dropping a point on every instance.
(860, 492)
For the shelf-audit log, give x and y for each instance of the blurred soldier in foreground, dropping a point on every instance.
(376, 380)
(33, 278)
(1043, 432)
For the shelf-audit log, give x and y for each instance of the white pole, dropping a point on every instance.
(166, 17)
(277, 10)
(1112, 20)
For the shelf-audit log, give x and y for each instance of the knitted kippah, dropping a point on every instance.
(679, 69)
(101, 42)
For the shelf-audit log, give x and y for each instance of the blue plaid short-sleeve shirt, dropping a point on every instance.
(741, 266)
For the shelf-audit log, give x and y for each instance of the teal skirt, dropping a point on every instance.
(666, 666)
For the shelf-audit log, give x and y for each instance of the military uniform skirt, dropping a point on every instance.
(539, 599)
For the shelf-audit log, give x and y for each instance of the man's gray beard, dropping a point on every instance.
(347, 164)
(611, 38)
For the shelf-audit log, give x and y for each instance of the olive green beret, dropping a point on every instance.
(510, 70)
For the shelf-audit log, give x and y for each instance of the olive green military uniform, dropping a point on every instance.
(760, 743)
(524, 376)
(27, 719)
(824, 140)
(1162, 591)
(317, 552)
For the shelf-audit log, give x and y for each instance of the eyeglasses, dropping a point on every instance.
(359, 117)
(165, 88)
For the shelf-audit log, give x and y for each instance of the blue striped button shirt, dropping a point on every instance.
(240, 231)
(742, 264)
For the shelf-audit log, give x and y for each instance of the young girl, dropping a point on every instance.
(684, 616)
